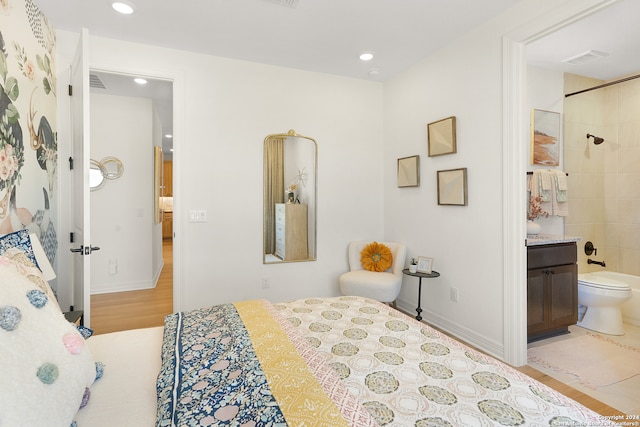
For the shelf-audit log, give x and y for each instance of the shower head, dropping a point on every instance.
(596, 139)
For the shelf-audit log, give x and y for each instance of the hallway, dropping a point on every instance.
(136, 309)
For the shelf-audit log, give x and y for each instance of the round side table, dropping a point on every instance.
(420, 275)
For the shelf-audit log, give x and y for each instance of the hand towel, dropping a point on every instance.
(534, 186)
(546, 184)
(560, 204)
(560, 179)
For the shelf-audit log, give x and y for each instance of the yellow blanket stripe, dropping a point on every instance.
(299, 395)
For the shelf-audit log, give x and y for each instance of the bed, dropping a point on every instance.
(344, 360)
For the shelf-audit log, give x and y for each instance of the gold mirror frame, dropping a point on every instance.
(290, 198)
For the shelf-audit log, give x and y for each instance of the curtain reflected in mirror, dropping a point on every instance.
(289, 198)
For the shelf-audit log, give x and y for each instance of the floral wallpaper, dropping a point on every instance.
(28, 140)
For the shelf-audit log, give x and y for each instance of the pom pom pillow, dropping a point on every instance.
(46, 368)
(376, 257)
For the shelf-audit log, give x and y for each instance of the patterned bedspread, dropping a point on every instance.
(344, 361)
(244, 365)
(408, 374)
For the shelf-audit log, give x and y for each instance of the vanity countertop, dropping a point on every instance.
(549, 239)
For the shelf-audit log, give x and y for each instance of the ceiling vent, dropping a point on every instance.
(286, 3)
(585, 57)
(95, 82)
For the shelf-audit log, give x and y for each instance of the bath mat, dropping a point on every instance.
(582, 357)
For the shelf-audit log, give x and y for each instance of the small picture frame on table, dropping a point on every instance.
(425, 265)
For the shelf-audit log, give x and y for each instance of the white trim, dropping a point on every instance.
(514, 185)
(514, 165)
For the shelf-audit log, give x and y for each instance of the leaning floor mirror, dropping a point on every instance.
(290, 190)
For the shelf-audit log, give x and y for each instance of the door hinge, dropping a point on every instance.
(71, 237)
(71, 163)
(70, 90)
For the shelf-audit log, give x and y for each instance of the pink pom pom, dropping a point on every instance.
(73, 342)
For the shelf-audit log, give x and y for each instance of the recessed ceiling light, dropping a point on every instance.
(140, 81)
(374, 72)
(124, 8)
(367, 56)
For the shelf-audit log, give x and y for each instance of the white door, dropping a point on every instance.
(81, 245)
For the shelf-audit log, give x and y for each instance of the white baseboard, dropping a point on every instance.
(126, 287)
(459, 332)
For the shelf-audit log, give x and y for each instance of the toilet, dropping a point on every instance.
(602, 294)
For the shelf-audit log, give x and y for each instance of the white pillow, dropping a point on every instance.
(46, 367)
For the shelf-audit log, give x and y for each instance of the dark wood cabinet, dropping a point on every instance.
(552, 289)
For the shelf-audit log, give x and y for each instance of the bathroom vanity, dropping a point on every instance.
(552, 286)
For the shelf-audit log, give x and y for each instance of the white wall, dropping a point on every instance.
(464, 79)
(223, 110)
(122, 219)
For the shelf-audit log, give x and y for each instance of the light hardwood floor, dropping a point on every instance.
(121, 311)
(143, 309)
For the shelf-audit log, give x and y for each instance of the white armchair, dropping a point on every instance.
(380, 286)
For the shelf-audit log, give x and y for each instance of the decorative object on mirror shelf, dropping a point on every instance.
(535, 210)
(545, 136)
(441, 137)
(452, 187)
(413, 265)
(425, 265)
(291, 193)
(409, 172)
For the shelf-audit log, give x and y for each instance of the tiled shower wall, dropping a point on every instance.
(604, 180)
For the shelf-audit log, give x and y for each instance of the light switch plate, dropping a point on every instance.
(197, 216)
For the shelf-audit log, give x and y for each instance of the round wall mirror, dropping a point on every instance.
(107, 168)
(97, 174)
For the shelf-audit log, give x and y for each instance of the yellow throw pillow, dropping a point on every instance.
(376, 257)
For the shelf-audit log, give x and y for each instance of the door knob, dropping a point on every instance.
(85, 250)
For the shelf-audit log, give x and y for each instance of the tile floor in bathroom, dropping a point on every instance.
(624, 395)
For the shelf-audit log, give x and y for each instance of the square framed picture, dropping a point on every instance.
(441, 137)
(452, 187)
(425, 265)
(409, 171)
(545, 138)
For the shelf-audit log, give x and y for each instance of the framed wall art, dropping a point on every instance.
(425, 265)
(409, 171)
(441, 137)
(545, 138)
(452, 187)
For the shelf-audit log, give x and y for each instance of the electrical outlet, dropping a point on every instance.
(454, 294)
(265, 283)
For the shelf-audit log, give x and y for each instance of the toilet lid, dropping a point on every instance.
(601, 282)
